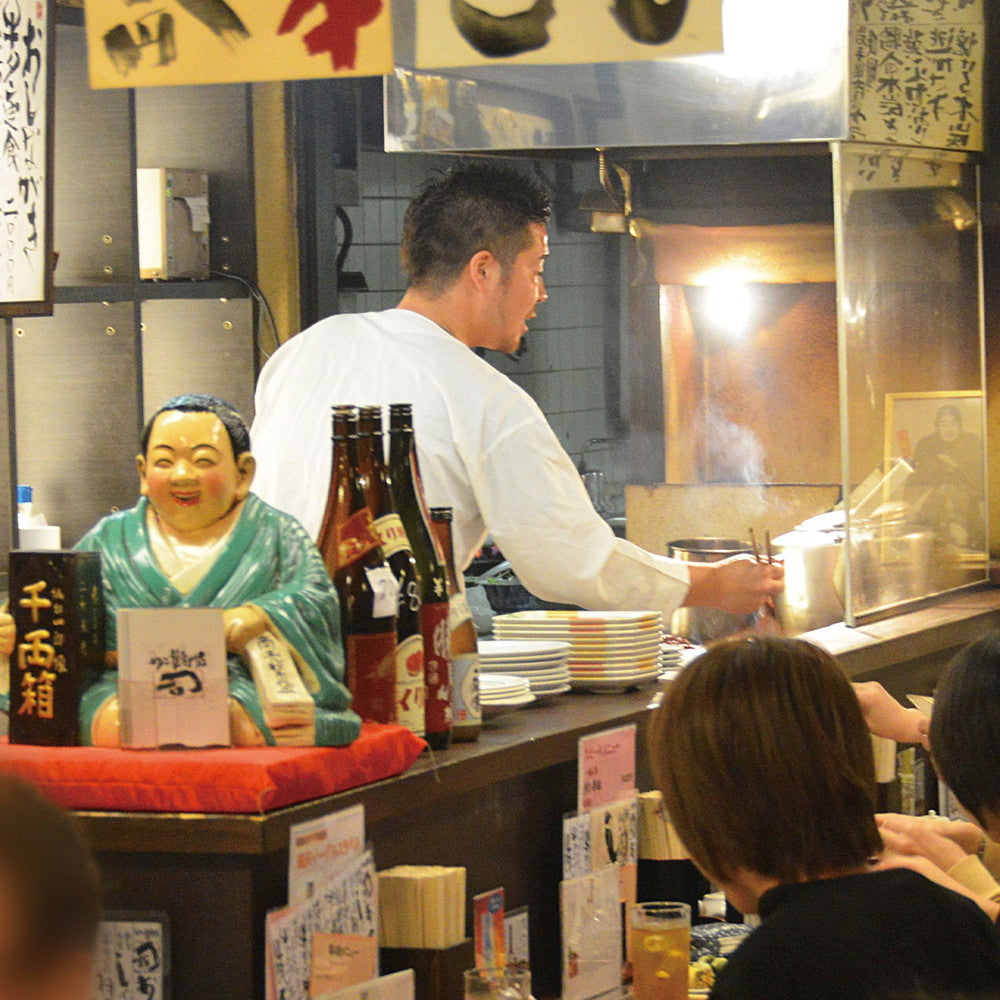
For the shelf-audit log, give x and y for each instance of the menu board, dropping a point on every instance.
(26, 95)
(481, 32)
(917, 72)
(131, 44)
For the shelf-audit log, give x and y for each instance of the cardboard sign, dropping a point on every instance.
(132, 957)
(490, 935)
(316, 848)
(606, 768)
(231, 41)
(591, 935)
(398, 986)
(341, 960)
(172, 677)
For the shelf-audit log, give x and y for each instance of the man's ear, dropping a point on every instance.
(483, 269)
(246, 467)
(140, 464)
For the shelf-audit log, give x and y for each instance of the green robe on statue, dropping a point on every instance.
(269, 561)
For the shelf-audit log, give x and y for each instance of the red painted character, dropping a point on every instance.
(338, 34)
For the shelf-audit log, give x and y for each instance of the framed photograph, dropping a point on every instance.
(940, 434)
(133, 956)
(27, 102)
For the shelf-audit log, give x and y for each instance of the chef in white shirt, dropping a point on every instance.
(474, 246)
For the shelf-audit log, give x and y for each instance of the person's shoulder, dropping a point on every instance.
(750, 971)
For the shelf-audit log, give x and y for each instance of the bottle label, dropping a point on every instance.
(410, 684)
(465, 687)
(356, 537)
(371, 675)
(458, 612)
(385, 591)
(391, 534)
(437, 665)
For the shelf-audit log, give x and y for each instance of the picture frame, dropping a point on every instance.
(27, 260)
(942, 436)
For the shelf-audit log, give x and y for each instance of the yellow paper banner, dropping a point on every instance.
(229, 41)
(478, 32)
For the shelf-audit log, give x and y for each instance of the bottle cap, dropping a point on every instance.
(441, 513)
(24, 494)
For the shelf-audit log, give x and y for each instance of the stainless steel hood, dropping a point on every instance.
(783, 78)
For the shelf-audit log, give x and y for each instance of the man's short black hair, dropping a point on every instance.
(236, 426)
(476, 205)
(47, 868)
(965, 727)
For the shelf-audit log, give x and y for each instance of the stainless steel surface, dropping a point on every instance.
(186, 347)
(810, 599)
(76, 407)
(707, 624)
(783, 77)
(891, 565)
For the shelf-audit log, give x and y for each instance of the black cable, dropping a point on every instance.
(261, 299)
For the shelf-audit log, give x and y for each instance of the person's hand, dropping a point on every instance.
(931, 871)
(885, 716)
(967, 836)
(8, 634)
(739, 585)
(922, 841)
(243, 624)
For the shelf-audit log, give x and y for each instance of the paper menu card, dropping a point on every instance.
(398, 986)
(346, 903)
(339, 961)
(591, 934)
(516, 925)
(489, 933)
(316, 846)
(172, 677)
(606, 768)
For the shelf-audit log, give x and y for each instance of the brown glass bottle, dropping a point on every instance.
(377, 488)
(354, 560)
(466, 713)
(408, 494)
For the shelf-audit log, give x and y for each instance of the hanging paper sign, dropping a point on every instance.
(26, 66)
(230, 41)
(917, 72)
(479, 32)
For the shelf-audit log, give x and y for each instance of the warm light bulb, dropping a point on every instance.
(728, 306)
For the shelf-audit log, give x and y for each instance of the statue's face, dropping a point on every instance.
(189, 472)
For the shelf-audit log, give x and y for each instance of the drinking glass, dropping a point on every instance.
(511, 983)
(660, 947)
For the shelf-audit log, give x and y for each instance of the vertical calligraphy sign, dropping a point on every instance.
(27, 66)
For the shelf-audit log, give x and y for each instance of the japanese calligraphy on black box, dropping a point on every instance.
(58, 608)
(26, 97)
(917, 72)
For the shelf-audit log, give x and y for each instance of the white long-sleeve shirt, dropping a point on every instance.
(485, 449)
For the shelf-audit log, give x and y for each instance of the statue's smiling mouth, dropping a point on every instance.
(186, 499)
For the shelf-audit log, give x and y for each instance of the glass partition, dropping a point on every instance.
(911, 371)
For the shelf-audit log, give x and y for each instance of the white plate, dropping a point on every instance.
(544, 696)
(610, 684)
(582, 617)
(518, 666)
(518, 649)
(492, 709)
(554, 671)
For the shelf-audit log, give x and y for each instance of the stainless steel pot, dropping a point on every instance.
(810, 599)
(707, 624)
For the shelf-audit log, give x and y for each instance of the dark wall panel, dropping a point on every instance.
(77, 400)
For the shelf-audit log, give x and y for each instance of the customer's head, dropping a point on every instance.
(765, 764)
(965, 729)
(479, 228)
(49, 899)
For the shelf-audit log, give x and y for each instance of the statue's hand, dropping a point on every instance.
(243, 624)
(105, 730)
(8, 634)
(243, 731)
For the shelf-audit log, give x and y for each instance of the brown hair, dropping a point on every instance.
(765, 762)
(48, 870)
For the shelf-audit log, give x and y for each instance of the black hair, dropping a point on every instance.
(51, 874)
(965, 727)
(948, 410)
(236, 426)
(473, 206)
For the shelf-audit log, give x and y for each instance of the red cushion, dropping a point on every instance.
(210, 781)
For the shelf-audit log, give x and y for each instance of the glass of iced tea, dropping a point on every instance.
(660, 950)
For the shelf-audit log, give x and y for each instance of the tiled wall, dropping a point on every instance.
(564, 365)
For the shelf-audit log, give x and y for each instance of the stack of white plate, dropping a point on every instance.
(499, 693)
(541, 663)
(610, 650)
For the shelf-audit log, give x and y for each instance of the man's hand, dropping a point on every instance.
(885, 716)
(739, 585)
(243, 624)
(925, 831)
